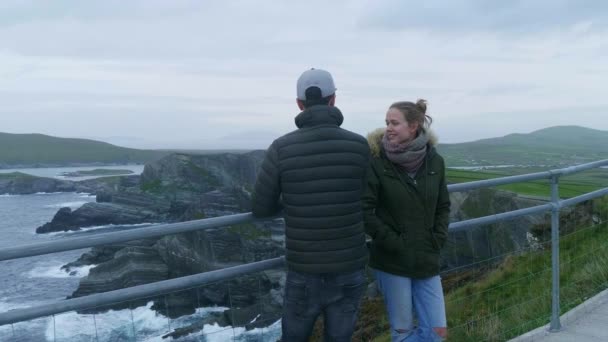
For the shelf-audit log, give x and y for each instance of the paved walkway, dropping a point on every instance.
(586, 322)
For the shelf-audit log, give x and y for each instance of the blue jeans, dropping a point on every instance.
(403, 296)
(336, 296)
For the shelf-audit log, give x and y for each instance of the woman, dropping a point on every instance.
(407, 209)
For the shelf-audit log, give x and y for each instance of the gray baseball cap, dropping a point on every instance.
(315, 78)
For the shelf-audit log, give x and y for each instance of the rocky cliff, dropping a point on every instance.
(178, 188)
(481, 248)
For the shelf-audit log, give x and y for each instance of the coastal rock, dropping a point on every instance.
(97, 214)
(493, 242)
(98, 255)
(130, 266)
(17, 183)
(178, 188)
(107, 185)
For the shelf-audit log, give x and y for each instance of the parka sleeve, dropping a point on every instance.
(442, 213)
(379, 231)
(267, 190)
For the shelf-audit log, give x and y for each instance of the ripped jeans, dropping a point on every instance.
(335, 295)
(403, 296)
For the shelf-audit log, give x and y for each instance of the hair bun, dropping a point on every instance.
(421, 104)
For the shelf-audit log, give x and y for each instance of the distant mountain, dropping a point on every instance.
(553, 146)
(38, 150)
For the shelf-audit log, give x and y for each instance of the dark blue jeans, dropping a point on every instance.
(336, 296)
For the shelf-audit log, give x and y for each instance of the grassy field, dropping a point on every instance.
(516, 296)
(569, 186)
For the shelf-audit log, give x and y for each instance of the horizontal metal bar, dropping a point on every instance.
(510, 215)
(579, 168)
(69, 244)
(582, 198)
(138, 292)
(523, 178)
(498, 181)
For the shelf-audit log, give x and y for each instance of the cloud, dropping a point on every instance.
(517, 16)
(192, 73)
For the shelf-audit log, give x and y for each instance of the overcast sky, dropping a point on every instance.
(221, 74)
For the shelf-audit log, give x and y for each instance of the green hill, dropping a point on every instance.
(21, 150)
(553, 146)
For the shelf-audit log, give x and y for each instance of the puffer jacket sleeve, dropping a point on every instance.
(379, 231)
(267, 190)
(442, 213)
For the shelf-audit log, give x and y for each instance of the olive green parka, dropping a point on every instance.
(406, 217)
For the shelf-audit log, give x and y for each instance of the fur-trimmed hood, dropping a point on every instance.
(374, 139)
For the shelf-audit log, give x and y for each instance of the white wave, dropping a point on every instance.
(216, 333)
(107, 226)
(119, 225)
(270, 333)
(49, 193)
(6, 306)
(55, 271)
(148, 326)
(75, 327)
(8, 195)
(256, 318)
(72, 205)
(118, 325)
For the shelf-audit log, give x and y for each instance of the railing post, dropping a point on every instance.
(555, 308)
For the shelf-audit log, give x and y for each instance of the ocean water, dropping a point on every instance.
(39, 280)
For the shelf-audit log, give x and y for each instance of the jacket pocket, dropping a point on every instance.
(435, 242)
(392, 242)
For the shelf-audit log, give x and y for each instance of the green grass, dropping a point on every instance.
(569, 186)
(249, 231)
(153, 186)
(515, 296)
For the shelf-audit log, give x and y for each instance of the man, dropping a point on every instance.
(316, 174)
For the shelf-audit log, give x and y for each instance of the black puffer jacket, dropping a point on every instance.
(318, 171)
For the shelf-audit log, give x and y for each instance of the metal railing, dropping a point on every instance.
(183, 283)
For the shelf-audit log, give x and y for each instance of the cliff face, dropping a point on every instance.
(490, 242)
(179, 188)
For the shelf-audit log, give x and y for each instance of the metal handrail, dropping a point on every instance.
(138, 292)
(68, 244)
(527, 177)
(74, 243)
(183, 283)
